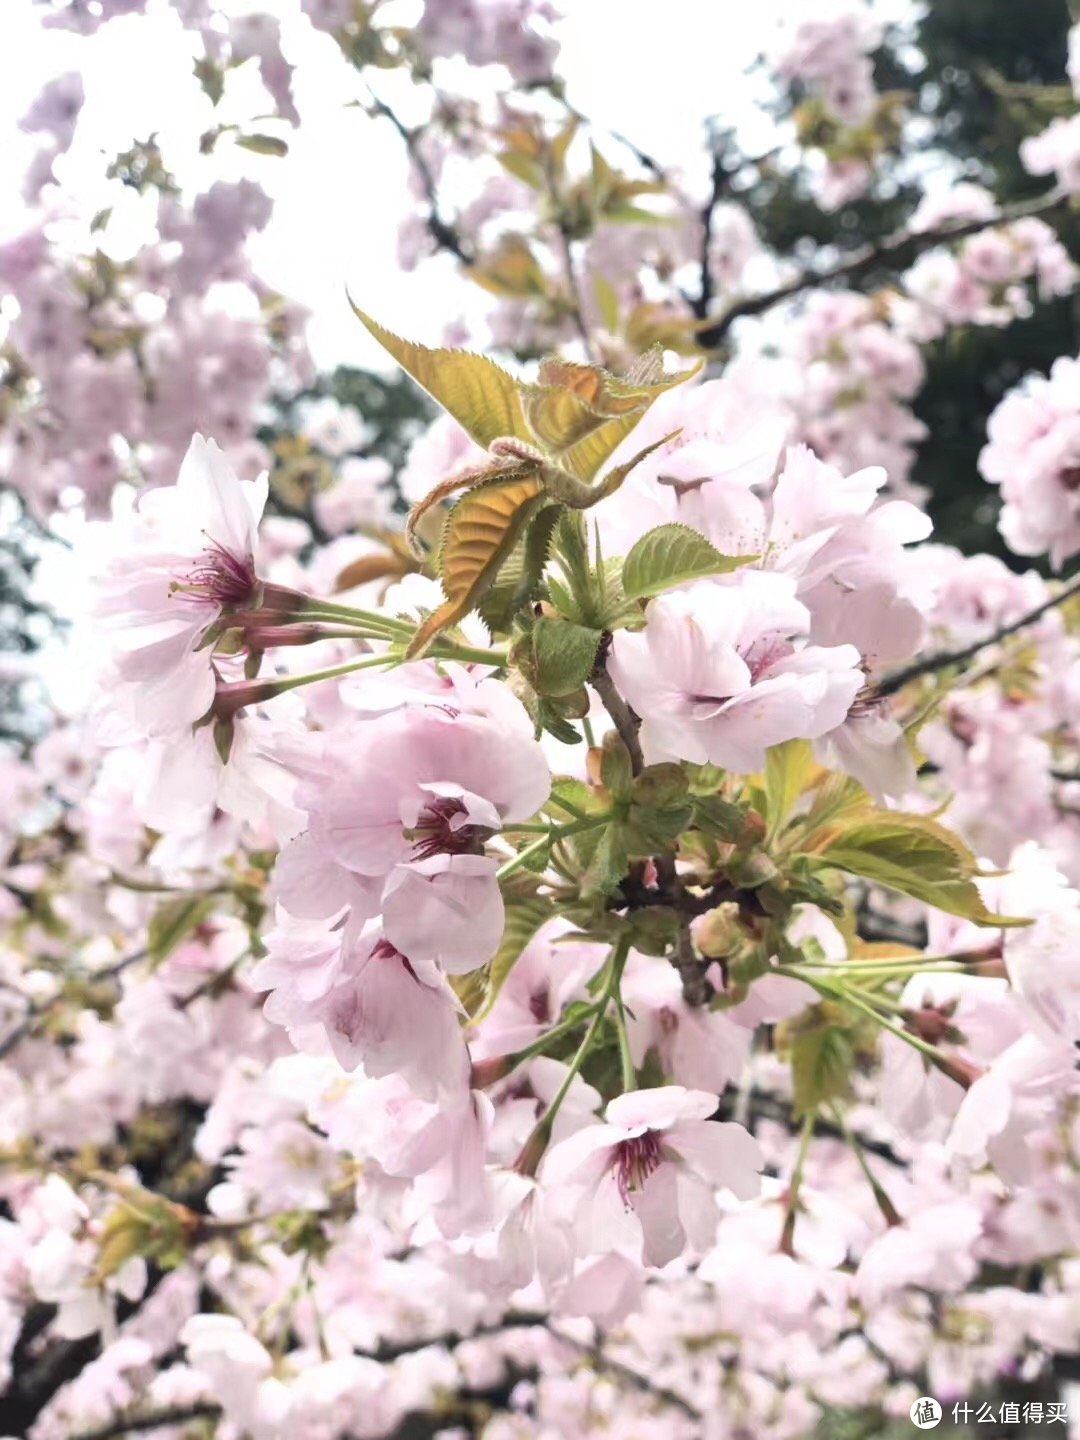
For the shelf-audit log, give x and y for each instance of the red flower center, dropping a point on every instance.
(222, 577)
(635, 1161)
(441, 831)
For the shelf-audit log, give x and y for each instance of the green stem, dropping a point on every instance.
(327, 609)
(552, 837)
(884, 1204)
(626, 1059)
(787, 1235)
(901, 965)
(545, 1041)
(845, 996)
(532, 1151)
(294, 682)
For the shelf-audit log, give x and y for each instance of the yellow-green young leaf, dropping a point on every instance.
(481, 531)
(788, 770)
(481, 397)
(607, 302)
(173, 921)
(822, 1060)
(917, 857)
(559, 418)
(263, 144)
(586, 457)
(511, 270)
(524, 168)
(523, 920)
(671, 555)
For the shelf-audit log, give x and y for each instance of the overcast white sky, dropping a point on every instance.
(339, 191)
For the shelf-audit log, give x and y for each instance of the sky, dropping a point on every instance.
(340, 190)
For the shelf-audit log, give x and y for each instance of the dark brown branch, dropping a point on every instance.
(441, 230)
(622, 717)
(896, 253)
(719, 178)
(606, 1364)
(890, 684)
(152, 1420)
(35, 1013)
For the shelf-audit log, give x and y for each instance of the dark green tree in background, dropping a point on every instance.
(982, 74)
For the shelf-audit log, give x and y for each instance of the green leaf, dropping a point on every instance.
(659, 786)
(479, 990)
(671, 555)
(722, 819)
(822, 1060)
(916, 856)
(481, 396)
(616, 768)
(480, 534)
(173, 921)
(607, 302)
(788, 769)
(610, 861)
(564, 655)
(263, 144)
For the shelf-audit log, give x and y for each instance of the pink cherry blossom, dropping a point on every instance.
(179, 561)
(646, 1178)
(717, 677)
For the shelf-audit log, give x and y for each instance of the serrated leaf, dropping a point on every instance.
(660, 785)
(609, 863)
(481, 531)
(564, 655)
(586, 457)
(720, 818)
(672, 555)
(173, 921)
(616, 768)
(520, 574)
(916, 856)
(482, 397)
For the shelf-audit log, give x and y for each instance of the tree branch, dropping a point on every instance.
(441, 230)
(890, 684)
(897, 252)
(622, 717)
(152, 1420)
(34, 1013)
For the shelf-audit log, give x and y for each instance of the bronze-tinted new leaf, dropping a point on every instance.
(481, 530)
(481, 396)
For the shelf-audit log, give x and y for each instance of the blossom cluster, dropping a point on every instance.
(601, 955)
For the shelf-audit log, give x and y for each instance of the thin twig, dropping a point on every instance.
(897, 253)
(574, 288)
(441, 230)
(607, 1363)
(719, 181)
(890, 684)
(152, 1420)
(35, 1013)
